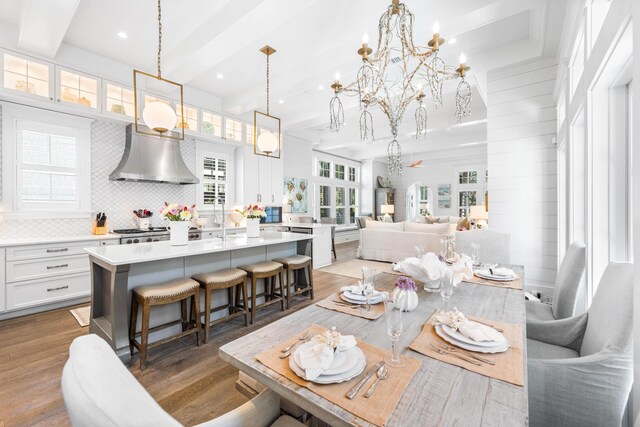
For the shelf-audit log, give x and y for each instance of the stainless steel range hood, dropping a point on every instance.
(152, 159)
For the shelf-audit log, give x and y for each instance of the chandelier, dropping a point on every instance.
(398, 74)
(266, 128)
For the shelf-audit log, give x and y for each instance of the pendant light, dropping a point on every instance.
(266, 128)
(158, 116)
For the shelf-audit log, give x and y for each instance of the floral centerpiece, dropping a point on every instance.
(405, 295)
(253, 214)
(179, 217)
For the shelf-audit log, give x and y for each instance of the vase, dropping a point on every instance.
(179, 232)
(253, 227)
(406, 299)
(143, 223)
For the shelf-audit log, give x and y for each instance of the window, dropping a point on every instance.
(339, 173)
(325, 201)
(45, 163)
(423, 201)
(577, 61)
(340, 205)
(213, 168)
(119, 100)
(353, 205)
(250, 135)
(25, 75)
(190, 118)
(468, 177)
(211, 124)
(466, 199)
(324, 169)
(352, 174)
(76, 88)
(233, 129)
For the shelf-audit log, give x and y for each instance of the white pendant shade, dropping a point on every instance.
(267, 142)
(159, 116)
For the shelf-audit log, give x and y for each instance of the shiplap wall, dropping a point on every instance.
(521, 115)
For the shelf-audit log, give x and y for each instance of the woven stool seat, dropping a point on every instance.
(271, 272)
(261, 267)
(294, 260)
(167, 289)
(296, 266)
(222, 278)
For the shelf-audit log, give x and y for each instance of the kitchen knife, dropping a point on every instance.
(356, 388)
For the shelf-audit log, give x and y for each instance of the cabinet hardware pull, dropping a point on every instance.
(49, 267)
(59, 288)
(57, 250)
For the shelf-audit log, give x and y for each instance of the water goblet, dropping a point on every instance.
(368, 292)
(475, 254)
(393, 314)
(446, 290)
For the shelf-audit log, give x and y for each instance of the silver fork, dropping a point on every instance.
(302, 338)
(459, 356)
(466, 353)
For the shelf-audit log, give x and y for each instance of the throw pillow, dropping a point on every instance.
(427, 228)
(463, 223)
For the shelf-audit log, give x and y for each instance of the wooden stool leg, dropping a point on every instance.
(207, 314)
(253, 298)
(195, 308)
(230, 295)
(310, 270)
(185, 319)
(282, 294)
(243, 288)
(144, 336)
(288, 287)
(132, 323)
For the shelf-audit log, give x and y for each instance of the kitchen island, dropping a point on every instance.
(116, 270)
(322, 244)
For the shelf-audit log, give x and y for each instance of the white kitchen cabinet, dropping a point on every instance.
(76, 88)
(277, 180)
(251, 177)
(263, 179)
(28, 76)
(3, 288)
(33, 293)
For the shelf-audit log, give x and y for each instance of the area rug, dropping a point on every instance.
(353, 268)
(82, 315)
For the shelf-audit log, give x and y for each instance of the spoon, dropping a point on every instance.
(302, 338)
(382, 374)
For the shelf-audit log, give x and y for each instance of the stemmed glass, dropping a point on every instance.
(393, 313)
(443, 249)
(368, 284)
(368, 293)
(446, 290)
(475, 254)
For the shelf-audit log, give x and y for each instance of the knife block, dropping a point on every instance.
(99, 230)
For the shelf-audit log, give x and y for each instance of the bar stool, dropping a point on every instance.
(269, 271)
(229, 279)
(292, 264)
(161, 294)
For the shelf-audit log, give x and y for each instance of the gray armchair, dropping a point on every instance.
(494, 246)
(565, 293)
(581, 369)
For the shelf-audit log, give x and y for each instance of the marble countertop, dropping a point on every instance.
(146, 252)
(56, 239)
(300, 225)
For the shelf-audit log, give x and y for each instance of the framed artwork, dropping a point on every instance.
(295, 190)
(444, 203)
(444, 196)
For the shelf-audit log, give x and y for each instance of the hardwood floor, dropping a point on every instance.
(191, 383)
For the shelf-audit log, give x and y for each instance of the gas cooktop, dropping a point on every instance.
(150, 230)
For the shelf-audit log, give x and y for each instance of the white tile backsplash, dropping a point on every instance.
(116, 198)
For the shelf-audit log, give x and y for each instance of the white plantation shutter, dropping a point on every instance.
(214, 180)
(47, 167)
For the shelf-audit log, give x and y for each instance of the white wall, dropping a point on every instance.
(297, 157)
(522, 166)
(636, 206)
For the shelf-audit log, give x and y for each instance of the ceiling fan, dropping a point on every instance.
(414, 164)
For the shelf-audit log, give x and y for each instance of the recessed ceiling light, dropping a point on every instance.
(320, 87)
(122, 35)
(281, 101)
(220, 76)
(453, 40)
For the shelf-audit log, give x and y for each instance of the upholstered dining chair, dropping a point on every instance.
(495, 247)
(565, 292)
(99, 390)
(333, 234)
(581, 368)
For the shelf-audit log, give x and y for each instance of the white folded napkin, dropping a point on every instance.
(427, 269)
(502, 271)
(317, 358)
(479, 332)
(459, 271)
(359, 290)
(452, 319)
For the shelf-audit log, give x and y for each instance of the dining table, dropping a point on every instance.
(439, 394)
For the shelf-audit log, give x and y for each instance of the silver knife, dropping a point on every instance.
(356, 388)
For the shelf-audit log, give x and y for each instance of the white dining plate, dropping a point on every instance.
(483, 274)
(461, 337)
(358, 368)
(477, 349)
(348, 298)
(357, 297)
(342, 360)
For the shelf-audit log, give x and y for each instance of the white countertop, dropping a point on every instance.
(146, 252)
(300, 225)
(57, 239)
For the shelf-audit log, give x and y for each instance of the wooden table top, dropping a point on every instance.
(439, 394)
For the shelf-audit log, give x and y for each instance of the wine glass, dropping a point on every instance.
(446, 290)
(475, 254)
(443, 249)
(393, 314)
(368, 292)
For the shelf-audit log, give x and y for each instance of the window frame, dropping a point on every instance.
(211, 149)
(15, 117)
(106, 97)
(58, 84)
(342, 172)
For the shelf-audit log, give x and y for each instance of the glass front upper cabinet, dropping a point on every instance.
(190, 123)
(23, 74)
(233, 129)
(118, 100)
(211, 124)
(77, 88)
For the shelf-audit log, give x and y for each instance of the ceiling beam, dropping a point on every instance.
(43, 25)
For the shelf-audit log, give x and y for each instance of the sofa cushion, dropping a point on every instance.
(390, 226)
(427, 228)
(421, 219)
(437, 219)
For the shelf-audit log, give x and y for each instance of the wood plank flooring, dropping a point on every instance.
(191, 383)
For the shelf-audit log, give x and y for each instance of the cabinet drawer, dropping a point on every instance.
(48, 250)
(38, 292)
(41, 268)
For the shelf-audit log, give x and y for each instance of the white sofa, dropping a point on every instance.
(393, 242)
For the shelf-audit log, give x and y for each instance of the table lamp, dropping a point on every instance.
(387, 210)
(480, 214)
